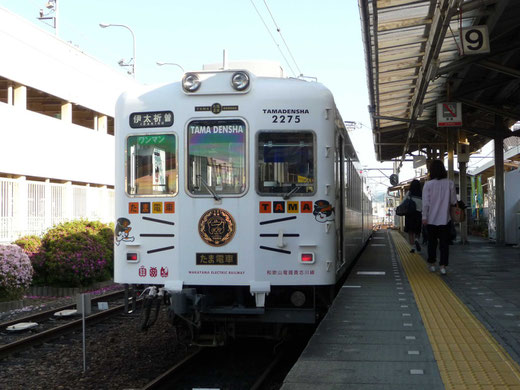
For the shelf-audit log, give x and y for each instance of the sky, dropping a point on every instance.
(319, 39)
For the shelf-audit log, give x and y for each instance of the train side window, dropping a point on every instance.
(286, 163)
(151, 165)
(216, 157)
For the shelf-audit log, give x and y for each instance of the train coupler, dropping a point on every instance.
(151, 306)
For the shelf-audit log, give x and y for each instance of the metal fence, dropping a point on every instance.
(32, 207)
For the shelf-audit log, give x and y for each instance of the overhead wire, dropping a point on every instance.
(80, 33)
(283, 39)
(272, 37)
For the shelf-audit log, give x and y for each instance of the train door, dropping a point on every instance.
(339, 196)
(363, 209)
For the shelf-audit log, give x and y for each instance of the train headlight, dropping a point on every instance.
(240, 81)
(298, 298)
(190, 82)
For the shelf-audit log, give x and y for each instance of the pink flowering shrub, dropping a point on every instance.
(74, 254)
(16, 271)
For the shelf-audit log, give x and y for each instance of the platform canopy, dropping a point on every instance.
(423, 53)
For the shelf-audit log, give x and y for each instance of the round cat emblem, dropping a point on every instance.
(216, 227)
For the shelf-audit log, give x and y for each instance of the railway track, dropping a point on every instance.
(175, 373)
(222, 368)
(49, 327)
(50, 313)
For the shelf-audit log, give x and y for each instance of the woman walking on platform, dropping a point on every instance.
(437, 197)
(412, 221)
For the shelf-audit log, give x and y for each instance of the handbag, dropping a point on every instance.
(457, 214)
(406, 207)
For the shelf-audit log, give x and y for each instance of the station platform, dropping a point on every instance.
(396, 325)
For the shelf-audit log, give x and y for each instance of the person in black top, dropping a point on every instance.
(413, 221)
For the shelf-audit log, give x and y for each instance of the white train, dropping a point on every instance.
(238, 199)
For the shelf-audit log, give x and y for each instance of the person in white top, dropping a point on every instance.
(437, 197)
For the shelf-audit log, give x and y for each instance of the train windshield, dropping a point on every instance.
(216, 157)
(151, 165)
(286, 163)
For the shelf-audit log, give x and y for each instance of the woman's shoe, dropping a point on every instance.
(443, 271)
(432, 268)
(412, 250)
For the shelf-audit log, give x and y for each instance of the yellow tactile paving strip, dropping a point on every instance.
(467, 355)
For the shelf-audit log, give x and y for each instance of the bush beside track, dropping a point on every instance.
(71, 254)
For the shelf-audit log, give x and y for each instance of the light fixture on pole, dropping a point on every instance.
(52, 14)
(122, 62)
(170, 63)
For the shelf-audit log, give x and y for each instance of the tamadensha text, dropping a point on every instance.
(285, 111)
(229, 129)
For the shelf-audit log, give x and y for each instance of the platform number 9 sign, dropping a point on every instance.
(475, 40)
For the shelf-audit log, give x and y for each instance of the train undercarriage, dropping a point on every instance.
(214, 315)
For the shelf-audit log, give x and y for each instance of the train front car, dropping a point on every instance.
(226, 199)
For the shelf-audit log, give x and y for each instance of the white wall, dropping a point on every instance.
(32, 144)
(33, 57)
(32, 207)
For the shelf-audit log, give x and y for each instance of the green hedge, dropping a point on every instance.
(72, 254)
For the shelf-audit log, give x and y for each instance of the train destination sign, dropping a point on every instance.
(140, 120)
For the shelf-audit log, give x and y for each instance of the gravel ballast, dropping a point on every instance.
(119, 356)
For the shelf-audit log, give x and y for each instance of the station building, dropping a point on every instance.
(57, 131)
(434, 94)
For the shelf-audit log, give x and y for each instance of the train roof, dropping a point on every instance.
(217, 82)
